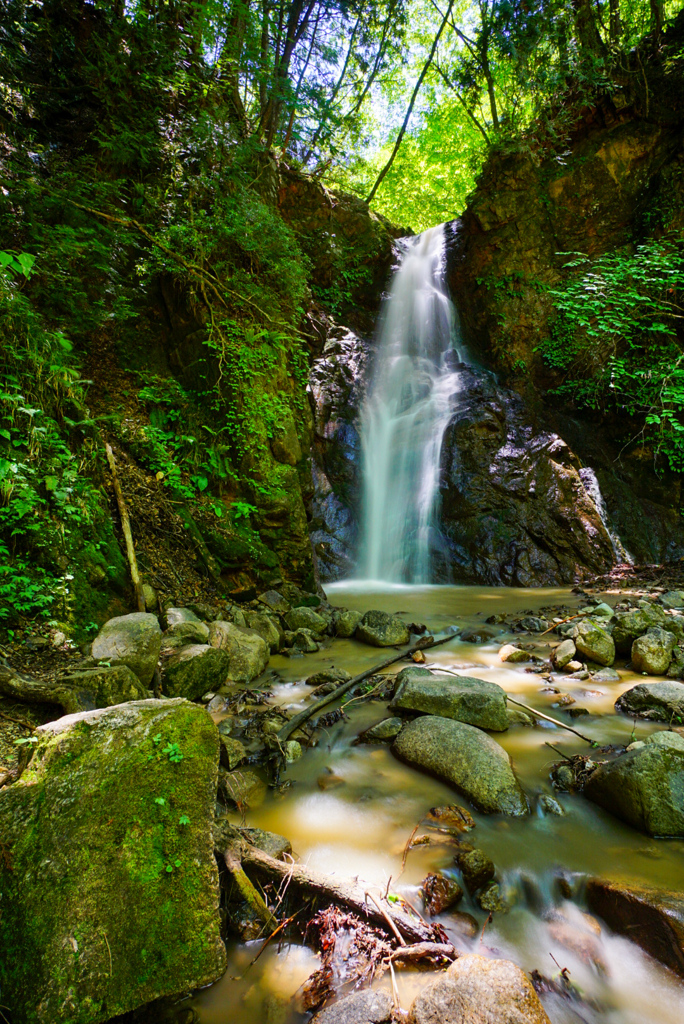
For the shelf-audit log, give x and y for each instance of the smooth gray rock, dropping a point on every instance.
(306, 618)
(595, 643)
(474, 763)
(652, 652)
(606, 675)
(382, 630)
(463, 698)
(275, 601)
(133, 640)
(270, 631)
(672, 599)
(358, 1008)
(248, 651)
(179, 616)
(181, 634)
(645, 786)
(661, 702)
(564, 653)
(477, 990)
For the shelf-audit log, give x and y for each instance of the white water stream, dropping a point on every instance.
(593, 489)
(408, 407)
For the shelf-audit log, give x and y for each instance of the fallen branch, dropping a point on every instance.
(333, 890)
(425, 950)
(31, 691)
(248, 892)
(126, 527)
(562, 621)
(561, 725)
(18, 721)
(307, 713)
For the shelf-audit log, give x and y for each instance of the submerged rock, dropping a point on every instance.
(475, 990)
(476, 867)
(653, 918)
(385, 730)
(109, 882)
(515, 655)
(382, 630)
(652, 652)
(661, 702)
(440, 893)
(133, 640)
(474, 763)
(645, 785)
(474, 701)
(358, 1008)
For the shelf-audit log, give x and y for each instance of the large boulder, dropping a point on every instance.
(652, 652)
(632, 624)
(183, 634)
(661, 702)
(306, 618)
(345, 621)
(133, 640)
(595, 643)
(473, 701)
(379, 629)
(645, 785)
(474, 763)
(653, 918)
(358, 1008)
(248, 651)
(100, 687)
(475, 990)
(268, 628)
(194, 670)
(109, 884)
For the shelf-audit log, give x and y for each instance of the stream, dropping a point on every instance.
(360, 826)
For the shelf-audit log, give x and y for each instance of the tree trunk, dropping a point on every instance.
(615, 22)
(586, 28)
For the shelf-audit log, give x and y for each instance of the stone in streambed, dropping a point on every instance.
(476, 990)
(662, 702)
(109, 882)
(632, 624)
(133, 640)
(564, 653)
(383, 731)
(194, 670)
(440, 893)
(653, 918)
(595, 643)
(473, 701)
(474, 763)
(305, 618)
(476, 867)
(358, 1008)
(184, 634)
(382, 630)
(514, 655)
(248, 651)
(672, 599)
(345, 621)
(645, 785)
(99, 687)
(268, 628)
(652, 652)
(232, 751)
(328, 675)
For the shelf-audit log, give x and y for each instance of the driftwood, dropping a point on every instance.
(333, 890)
(126, 527)
(303, 716)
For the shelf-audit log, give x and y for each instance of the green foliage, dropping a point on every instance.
(616, 340)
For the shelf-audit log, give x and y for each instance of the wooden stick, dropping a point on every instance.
(561, 725)
(334, 890)
(306, 714)
(18, 721)
(248, 892)
(400, 938)
(126, 527)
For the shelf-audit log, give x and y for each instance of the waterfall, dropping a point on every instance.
(407, 409)
(591, 486)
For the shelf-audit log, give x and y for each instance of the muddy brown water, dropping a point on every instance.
(360, 827)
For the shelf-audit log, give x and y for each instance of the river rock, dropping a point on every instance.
(275, 602)
(652, 652)
(661, 702)
(492, 899)
(183, 634)
(515, 655)
(305, 641)
(232, 751)
(476, 867)
(595, 643)
(474, 763)
(358, 1008)
(194, 670)
(474, 701)
(476, 990)
(242, 787)
(672, 599)
(382, 630)
(99, 687)
(653, 918)
(632, 624)
(605, 675)
(564, 653)
(346, 621)
(109, 883)
(181, 616)
(268, 628)
(328, 675)
(440, 893)
(645, 785)
(248, 651)
(133, 640)
(385, 730)
(306, 618)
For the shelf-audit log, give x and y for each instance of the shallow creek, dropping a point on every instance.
(360, 827)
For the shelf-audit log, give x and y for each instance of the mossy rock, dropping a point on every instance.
(108, 880)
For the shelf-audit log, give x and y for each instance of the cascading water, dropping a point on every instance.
(591, 486)
(405, 415)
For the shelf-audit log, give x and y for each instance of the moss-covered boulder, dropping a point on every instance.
(248, 651)
(108, 880)
(100, 687)
(194, 670)
(474, 701)
(652, 652)
(133, 640)
(594, 642)
(379, 629)
(661, 702)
